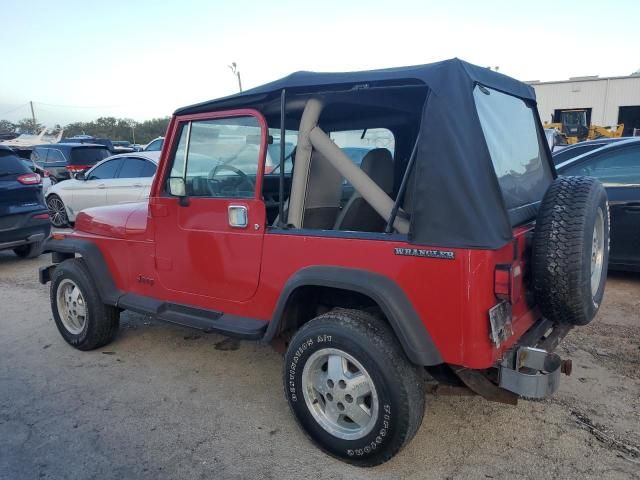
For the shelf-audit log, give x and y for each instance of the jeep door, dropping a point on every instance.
(208, 213)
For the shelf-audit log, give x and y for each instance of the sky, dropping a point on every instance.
(78, 60)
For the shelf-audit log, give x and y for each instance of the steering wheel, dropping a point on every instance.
(243, 176)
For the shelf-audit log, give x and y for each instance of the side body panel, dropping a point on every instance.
(451, 296)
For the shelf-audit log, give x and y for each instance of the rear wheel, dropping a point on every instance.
(82, 319)
(57, 211)
(351, 387)
(32, 250)
(571, 250)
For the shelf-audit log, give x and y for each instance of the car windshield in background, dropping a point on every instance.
(88, 155)
(155, 146)
(569, 153)
(511, 133)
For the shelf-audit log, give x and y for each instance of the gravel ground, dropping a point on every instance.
(167, 402)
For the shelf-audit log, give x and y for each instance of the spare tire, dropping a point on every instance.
(571, 250)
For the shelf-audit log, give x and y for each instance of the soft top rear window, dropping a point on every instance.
(88, 155)
(10, 164)
(515, 145)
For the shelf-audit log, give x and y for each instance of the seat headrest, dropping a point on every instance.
(378, 164)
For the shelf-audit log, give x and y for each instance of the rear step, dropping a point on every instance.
(199, 318)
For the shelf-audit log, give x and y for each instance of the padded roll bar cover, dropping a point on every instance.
(308, 122)
(370, 191)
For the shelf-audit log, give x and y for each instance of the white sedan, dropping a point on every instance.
(122, 178)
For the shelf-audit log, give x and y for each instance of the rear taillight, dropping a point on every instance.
(76, 168)
(29, 179)
(508, 282)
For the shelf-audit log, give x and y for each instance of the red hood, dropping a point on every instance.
(118, 221)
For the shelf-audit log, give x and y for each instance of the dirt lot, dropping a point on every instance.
(168, 402)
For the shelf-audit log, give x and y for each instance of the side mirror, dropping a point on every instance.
(177, 187)
(80, 176)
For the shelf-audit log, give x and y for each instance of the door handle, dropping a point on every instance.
(102, 185)
(137, 185)
(238, 216)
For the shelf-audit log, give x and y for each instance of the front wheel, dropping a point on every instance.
(83, 320)
(57, 211)
(351, 387)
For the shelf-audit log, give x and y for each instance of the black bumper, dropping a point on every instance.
(24, 229)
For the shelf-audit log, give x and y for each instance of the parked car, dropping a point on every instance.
(472, 269)
(571, 151)
(122, 178)
(24, 222)
(154, 145)
(63, 160)
(617, 166)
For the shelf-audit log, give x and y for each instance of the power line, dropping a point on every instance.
(14, 109)
(77, 106)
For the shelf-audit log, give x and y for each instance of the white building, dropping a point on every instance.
(608, 101)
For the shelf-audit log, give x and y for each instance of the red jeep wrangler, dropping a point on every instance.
(378, 224)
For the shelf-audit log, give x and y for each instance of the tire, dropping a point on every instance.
(369, 357)
(57, 211)
(569, 264)
(84, 321)
(31, 250)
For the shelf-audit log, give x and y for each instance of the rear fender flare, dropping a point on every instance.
(395, 305)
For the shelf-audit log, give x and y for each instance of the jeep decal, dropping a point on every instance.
(420, 252)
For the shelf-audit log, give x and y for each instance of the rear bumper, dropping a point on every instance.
(24, 229)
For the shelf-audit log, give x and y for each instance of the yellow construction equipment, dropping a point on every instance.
(573, 126)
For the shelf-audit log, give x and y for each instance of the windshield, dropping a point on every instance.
(577, 118)
(511, 132)
(88, 155)
(272, 164)
(569, 153)
(10, 164)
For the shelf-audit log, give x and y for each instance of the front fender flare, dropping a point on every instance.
(92, 256)
(395, 305)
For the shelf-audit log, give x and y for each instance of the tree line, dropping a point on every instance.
(103, 127)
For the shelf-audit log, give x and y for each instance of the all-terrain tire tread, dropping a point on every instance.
(382, 337)
(558, 248)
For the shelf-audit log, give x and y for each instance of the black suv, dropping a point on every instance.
(24, 219)
(63, 160)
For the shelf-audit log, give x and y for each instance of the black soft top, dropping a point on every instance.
(457, 201)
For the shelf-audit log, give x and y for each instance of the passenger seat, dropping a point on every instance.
(357, 215)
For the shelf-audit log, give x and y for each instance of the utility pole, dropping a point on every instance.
(33, 116)
(236, 72)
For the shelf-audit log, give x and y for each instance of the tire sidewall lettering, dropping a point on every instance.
(362, 447)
